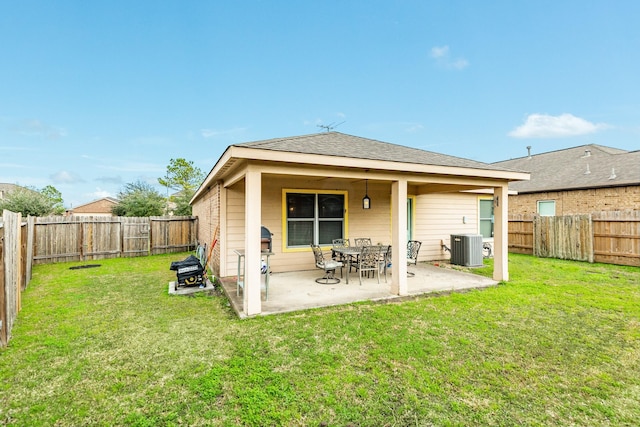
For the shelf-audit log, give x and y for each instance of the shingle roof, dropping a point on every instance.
(6, 188)
(585, 166)
(343, 145)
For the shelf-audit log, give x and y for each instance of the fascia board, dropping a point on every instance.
(349, 162)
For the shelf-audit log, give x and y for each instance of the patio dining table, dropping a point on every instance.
(350, 252)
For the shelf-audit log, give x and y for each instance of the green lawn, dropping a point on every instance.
(558, 345)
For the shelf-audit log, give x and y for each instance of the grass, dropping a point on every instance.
(558, 345)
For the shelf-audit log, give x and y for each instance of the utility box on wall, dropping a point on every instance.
(466, 250)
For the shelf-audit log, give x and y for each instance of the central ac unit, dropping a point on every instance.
(466, 249)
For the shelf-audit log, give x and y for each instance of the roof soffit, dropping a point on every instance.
(293, 160)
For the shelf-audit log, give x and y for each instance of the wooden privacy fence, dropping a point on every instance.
(58, 239)
(61, 239)
(15, 270)
(611, 237)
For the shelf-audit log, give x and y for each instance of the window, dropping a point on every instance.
(316, 218)
(485, 222)
(546, 207)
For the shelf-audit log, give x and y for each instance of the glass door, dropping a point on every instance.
(410, 218)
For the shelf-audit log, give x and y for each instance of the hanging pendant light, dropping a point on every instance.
(366, 201)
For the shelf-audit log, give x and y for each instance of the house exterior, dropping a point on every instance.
(6, 188)
(310, 189)
(100, 207)
(578, 180)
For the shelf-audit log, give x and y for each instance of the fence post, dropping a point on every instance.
(30, 241)
(3, 303)
(12, 275)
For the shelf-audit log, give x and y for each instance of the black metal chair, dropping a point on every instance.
(385, 260)
(337, 256)
(369, 261)
(413, 247)
(328, 266)
(359, 242)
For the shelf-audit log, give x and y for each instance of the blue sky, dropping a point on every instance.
(97, 94)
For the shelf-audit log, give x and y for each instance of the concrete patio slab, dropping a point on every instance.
(189, 290)
(294, 291)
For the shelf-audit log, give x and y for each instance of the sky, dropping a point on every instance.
(98, 94)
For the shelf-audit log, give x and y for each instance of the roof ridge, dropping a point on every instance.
(604, 148)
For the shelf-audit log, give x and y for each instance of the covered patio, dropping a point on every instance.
(314, 189)
(298, 290)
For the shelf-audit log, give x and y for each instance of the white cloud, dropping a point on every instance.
(213, 133)
(35, 127)
(443, 58)
(110, 179)
(413, 127)
(312, 122)
(64, 177)
(136, 167)
(546, 126)
(319, 122)
(99, 194)
(439, 52)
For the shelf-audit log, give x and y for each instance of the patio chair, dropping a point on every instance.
(413, 246)
(337, 256)
(369, 261)
(359, 243)
(362, 241)
(328, 266)
(385, 260)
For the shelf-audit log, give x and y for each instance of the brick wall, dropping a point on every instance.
(579, 201)
(97, 207)
(207, 209)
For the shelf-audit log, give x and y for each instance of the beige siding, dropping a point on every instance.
(235, 225)
(378, 218)
(375, 222)
(438, 216)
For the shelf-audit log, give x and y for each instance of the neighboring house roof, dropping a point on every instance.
(103, 205)
(6, 188)
(342, 145)
(585, 166)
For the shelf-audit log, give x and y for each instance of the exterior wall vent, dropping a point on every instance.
(466, 250)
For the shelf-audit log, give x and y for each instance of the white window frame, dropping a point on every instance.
(316, 219)
(545, 203)
(480, 218)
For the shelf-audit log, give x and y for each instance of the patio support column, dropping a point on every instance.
(399, 237)
(252, 220)
(501, 233)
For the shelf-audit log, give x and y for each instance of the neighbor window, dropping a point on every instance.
(546, 207)
(485, 222)
(316, 218)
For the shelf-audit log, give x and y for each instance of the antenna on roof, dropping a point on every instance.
(330, 126)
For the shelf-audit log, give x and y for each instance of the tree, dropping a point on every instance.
(34, 202)
(55, 197)
(139, 199)
(184, 178)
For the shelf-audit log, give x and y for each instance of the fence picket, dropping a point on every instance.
(60, 239)
(609, 237)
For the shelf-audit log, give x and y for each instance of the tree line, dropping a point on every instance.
(137, 198)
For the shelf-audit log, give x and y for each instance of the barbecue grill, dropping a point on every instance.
(266, 239)
(189, 272)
